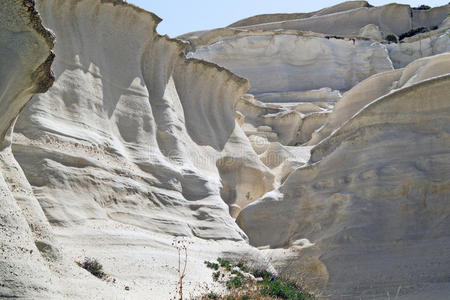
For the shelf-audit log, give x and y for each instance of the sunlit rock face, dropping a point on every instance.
(390, 18)
(373, 199)
(282, 62)
(329, 211)
(25, 59)
(423, 45)
(132, 146)
(304, 142)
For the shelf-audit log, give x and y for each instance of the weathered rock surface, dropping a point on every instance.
(336, 166)
(391, 18)
(422, 45)
(25, 59)
(291, 61)
(270, 18)
(121, 162)
(373, 200)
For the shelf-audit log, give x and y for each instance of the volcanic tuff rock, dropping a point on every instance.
(377, 186)
(272, 60)
(121, 162)
(328, 163)
(390, 18)
(25, 59)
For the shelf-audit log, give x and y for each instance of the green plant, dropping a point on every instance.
(216, 275)
(262, 273)
(93, 267)
(391, 38)
(422, 7)
(241, 287)
(212, 296)
(224, 263)
(234, 282)
(280, 288)
(242, 266)
(211, 265)
(413, 32)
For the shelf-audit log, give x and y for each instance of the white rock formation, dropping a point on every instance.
(25, 59)
(291, 61)
(316, 96)
(373, 200)
(335, 167)
(422, 45)
(131, 146)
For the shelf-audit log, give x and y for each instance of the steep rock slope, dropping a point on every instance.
(291, 61)
(369, 213)
(422, 45)
(25, 59)
(336, 167)
(132, 146)
(306, 70)
(342, 222)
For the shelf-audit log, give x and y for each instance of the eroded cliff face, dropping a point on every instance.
(390, 18)
(335, 166)
(374, 197)
(134, 145)
(273, 63)
(25, 59)
(344, 218)
(302, 75)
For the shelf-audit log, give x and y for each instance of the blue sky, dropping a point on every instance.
(182, 16)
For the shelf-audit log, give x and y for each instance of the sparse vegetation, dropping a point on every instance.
(216, 275)
(224, 263)
(244, 283)
(242, 266)
(392, 38)
(181, 246)
(422, 7)
(93, 266)
(282, 289)
(212, 296)
(235, 282)
(211, 265)
(413, 32)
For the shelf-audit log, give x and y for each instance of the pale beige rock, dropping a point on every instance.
(124, 153)
(261, 119)
(430, 17)
(270, 18)
(354, 100)
(421, 45)
(319, 95)
(445, 23)
(273, 61)
(390, 18)
(372, 202)
(336, 166)
(371, 31)
(25, 59)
